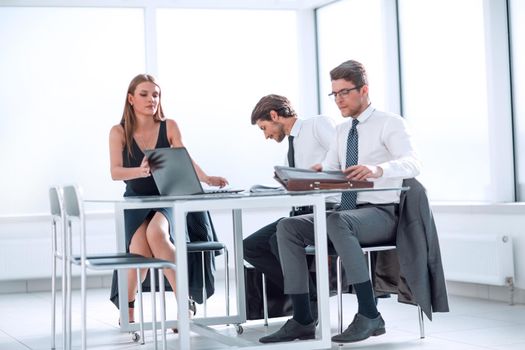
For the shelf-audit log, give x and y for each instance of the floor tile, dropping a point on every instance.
(472, 324)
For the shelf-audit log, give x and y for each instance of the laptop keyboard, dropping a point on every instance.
(221, 190)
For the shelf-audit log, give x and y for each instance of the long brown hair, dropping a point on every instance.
(129, 120)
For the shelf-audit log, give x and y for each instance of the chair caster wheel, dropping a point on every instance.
(239, 329)
(135, 337)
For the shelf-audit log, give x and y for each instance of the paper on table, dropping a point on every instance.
(266, 188)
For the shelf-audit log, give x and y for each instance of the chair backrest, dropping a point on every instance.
(73, 202)
(56, 205)
(55, 202)
(74, 209)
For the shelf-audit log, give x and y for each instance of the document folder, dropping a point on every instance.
(294, 179)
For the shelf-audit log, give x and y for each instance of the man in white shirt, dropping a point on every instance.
(371, 145)
(308, 140)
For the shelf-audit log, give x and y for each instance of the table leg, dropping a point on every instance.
(181, 261)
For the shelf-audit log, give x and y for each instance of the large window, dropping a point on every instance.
(64, 77)
(365, 31)
(214, 66)
(451, 82)
(456, 96)
(65, 70)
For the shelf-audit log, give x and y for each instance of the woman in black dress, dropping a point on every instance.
(144, 126)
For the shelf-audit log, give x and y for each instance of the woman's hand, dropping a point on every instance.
(144, 169)
(216, 181)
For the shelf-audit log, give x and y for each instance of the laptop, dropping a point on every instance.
(174, 174)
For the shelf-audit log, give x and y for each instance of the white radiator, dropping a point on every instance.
(483, 258)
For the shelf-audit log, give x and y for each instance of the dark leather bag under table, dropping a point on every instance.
(278, 304)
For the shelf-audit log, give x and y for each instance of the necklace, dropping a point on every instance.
(148, 139)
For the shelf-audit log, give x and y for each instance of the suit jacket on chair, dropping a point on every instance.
(414, 270)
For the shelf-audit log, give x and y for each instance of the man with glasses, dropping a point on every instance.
(371, 145)
(308, 141)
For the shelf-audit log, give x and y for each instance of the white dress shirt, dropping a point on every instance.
(312, 139)
(384, 141)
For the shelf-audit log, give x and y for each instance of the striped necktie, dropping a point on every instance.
(349, 199)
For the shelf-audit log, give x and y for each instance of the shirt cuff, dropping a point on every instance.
(387, 168)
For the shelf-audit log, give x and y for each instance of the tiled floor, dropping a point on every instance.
(472, 324)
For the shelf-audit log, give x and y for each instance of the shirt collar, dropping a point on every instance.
(296, 128)
(366, 114)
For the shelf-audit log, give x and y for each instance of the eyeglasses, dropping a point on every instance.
(343, 92)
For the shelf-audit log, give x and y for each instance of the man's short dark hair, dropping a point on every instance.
(352, 71)
(277, 103)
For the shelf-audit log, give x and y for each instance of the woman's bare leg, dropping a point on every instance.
(157, 234)
(138, 245)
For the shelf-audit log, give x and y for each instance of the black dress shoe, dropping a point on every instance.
(290, 331)
(361, 328)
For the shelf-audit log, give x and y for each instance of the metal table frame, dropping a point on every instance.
(236, 202)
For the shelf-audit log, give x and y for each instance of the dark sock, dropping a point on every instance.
(301, 308)
(366, 300)
(312, 290)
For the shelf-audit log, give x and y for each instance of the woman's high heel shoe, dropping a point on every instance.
(131, 306)
(192, 308)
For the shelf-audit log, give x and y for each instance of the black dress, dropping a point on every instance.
(198, 225)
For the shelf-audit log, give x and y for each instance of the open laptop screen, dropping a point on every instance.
(174, 174)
